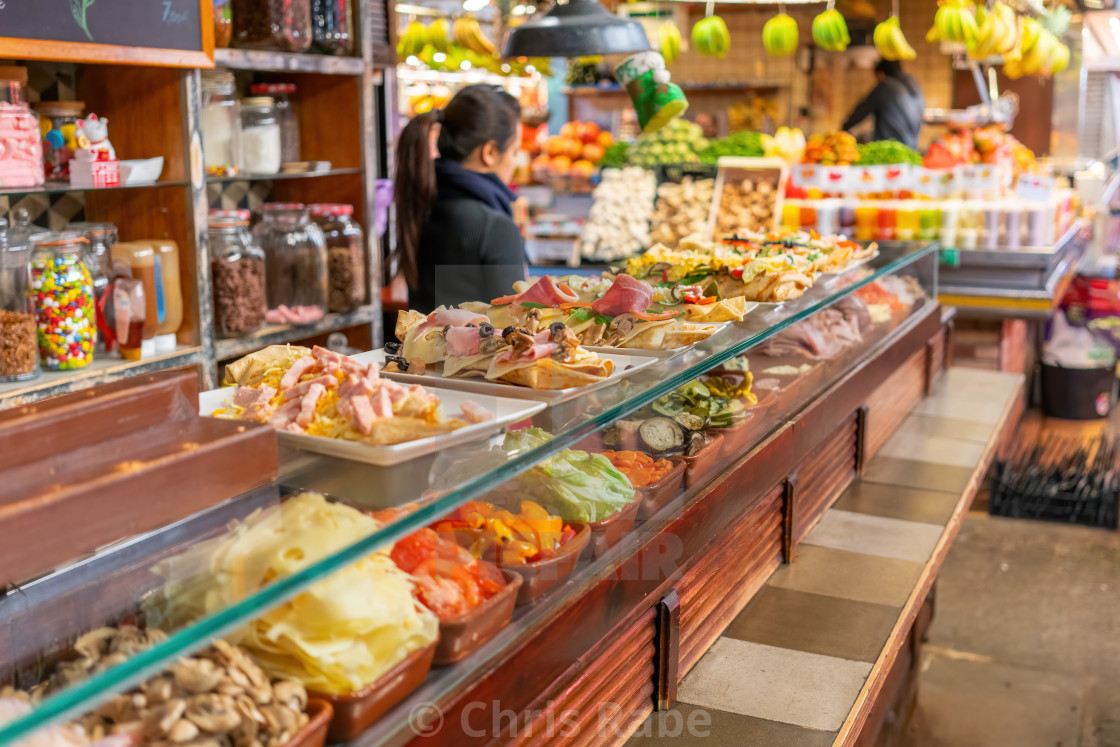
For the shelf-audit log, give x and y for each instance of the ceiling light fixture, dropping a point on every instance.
(575, 29)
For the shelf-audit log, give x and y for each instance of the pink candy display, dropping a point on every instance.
(21, 147)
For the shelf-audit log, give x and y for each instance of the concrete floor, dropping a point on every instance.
(1024, 649)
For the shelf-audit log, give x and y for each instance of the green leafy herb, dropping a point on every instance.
(746, 143)
(532, 305)
(584, 315)
(882, 152)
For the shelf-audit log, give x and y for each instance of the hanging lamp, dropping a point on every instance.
(577, 28)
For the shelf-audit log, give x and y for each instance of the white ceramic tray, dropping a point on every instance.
(624, 365)
(506, 412)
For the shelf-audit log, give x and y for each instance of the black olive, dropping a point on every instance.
(471, 324)
(509, 331)
(445, 329)
(485, 330)
(402, 364)
(392, 348)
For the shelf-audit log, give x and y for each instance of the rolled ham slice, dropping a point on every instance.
(545, 291)
(626, 296)
(451, 317)
(463, 341)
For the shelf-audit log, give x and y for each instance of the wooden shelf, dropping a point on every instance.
(61, 187)
(614, 90)
(100, 371)
(278, 334)
(280, 177)
(282, 62)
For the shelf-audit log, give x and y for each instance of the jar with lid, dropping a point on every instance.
(331, 22)
(220, 122)
(59, 127)
(283, 25)
(237, 271)
(19, 351)
(346, 271)
(62, 290)
(223, 23)
(101, 238)
(281, 94)
(295, 263)
(21, 144)
(260, 136)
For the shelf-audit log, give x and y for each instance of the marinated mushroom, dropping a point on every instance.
(620, 327)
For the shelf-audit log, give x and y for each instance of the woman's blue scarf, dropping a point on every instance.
(456, 183)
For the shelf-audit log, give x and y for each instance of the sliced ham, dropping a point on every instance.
(328, 360)
(308, 403)
(300, 389)
(535, 353)
(257, 402)
(545, 291)
(475, 413)
(625, 296)
(382, 404)
(363, 414)
(463, 341)
(247, 395)
(452, 317)
(298, 369)
(284, 415)
(351, 366)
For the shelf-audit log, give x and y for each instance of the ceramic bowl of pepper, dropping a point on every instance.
(540, 576)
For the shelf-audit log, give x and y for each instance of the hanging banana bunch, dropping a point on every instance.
(830, 30)
(468, 34)
(954, 22)
(891, 42)
(670, 38)
(997, 32)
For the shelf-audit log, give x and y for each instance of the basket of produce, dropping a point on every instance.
(748, 196)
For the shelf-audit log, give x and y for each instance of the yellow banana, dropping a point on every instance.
(439, 34)
(1061, 59)
(670, 38)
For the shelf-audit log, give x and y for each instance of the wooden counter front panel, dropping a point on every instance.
(822, 477)
(719, 583)
(892, 401)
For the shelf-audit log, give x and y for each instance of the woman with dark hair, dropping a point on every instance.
(455, 228)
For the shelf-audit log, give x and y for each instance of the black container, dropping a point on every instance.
(1077, 393)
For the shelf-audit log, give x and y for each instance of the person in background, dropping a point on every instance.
(455, 230)
(896, 102)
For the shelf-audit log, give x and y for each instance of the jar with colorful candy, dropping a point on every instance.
(62, 289)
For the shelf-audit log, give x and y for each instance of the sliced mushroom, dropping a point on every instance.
(213, 713)
(491, 344)
(182, 731)
(677, 292)
(158, 689)
(533, 321)
(593, 335)
(157, 722)
(197, 675)
(620, 327)
(660, 267)
(94, 644)
(290, 693)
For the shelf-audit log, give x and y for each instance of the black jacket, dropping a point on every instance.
(898, 106)
(468, 252)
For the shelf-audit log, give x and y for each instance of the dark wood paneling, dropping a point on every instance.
(822, 477)
(892, 401)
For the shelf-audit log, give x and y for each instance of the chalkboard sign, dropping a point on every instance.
(169, 32)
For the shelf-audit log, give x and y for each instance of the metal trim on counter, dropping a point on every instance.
(273, 334)
(268, 61)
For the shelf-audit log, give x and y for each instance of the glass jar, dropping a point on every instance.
(281, 94)
(101, 237)
(63, 293)
(284, 25)
(260, 136)
(295, 263)
(223, 23)
(346, 270)
(19, 351)
(58, 128)
(330, 26)
(237, 271)
(221, 122)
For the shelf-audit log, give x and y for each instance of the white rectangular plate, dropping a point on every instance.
(624, 365)
(662, 354)
(506, 411)
(853, 265)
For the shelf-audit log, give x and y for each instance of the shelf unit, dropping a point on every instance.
(340, 109)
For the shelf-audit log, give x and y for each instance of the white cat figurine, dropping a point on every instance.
(96, 131)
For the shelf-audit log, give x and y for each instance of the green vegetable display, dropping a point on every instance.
(744, 144)
(679, 141)
(882, 152)
(576, 485)
(697, 399)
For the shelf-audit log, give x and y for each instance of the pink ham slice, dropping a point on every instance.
(363, 414)
(475, 413)
(307, 405)
(298, 369)
(463, 341)
(285, 415)
(545, 291)
(257, 402)
(300, 389)
(625, 296)
(452, 317)
(535, 353)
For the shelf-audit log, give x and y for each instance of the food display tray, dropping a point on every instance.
(461, 636)
(90, 468)
(606, 533)
(537, 578)
(506, 412)
(624, 365)
(655, 496)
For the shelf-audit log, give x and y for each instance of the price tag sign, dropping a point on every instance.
(836, 179)
(925, 182)
(1034, 188)
(896, 177)
(807, 176)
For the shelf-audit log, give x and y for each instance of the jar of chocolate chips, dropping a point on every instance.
(282, 25)
(237, 272)
(19, 348)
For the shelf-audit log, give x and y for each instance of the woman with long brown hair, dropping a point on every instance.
(455, 228)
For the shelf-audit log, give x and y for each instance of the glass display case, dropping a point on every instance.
(675, 425)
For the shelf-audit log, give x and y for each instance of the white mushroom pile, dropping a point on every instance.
(682, 210)
(749, 204)
(618, 225)
(98, 650)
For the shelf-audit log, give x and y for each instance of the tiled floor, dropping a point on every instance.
(789, 669)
